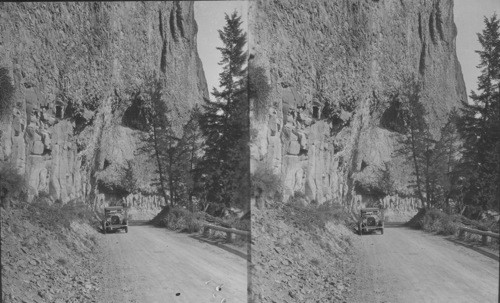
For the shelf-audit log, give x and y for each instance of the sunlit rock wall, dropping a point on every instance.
(350, 55)
(73, 66)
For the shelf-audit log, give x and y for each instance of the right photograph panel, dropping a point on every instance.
(374, 171)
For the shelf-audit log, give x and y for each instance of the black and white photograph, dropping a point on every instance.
(273, 151)
(124, 164)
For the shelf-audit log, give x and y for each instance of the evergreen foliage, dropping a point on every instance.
(224, 168)
(175, 155)
(479, 126)
(432, 159)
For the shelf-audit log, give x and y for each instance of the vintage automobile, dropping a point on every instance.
(371, 219)
(115, 218)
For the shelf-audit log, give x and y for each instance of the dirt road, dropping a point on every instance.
(148, 265)
(406, 265)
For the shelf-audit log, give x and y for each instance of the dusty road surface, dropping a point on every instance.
(149, 265)
(406, 265)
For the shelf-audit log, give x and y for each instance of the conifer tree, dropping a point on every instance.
(175, 155)
(432, 159)
(224, 123)
(480, 126)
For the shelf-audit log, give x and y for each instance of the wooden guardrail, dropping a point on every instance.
(484, 234)
(229, 231)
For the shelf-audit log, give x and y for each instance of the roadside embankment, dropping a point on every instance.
(49, 254)
(299, 255)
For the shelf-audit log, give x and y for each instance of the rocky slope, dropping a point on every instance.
(48, 265)
(332, 67)
(293, 264)
(74, 67)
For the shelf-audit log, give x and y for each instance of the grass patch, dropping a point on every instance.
(56, 216)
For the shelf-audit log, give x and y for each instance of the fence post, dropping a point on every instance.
(485, 240)
(461, 234)
(229, 237)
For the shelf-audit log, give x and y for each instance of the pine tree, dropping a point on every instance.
(224, 124)
(154, 121)
(432, 159)
(189, 155)
(480, 126)
(169, 150)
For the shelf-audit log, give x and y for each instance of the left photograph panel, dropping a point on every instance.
(124, 162)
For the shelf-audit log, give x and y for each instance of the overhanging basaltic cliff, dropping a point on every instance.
(72, 66)
(350, 55)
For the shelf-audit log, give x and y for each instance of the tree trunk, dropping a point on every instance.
(160, 170)
(415, 163)
(173, 194)
(191, 168)
(428, 192)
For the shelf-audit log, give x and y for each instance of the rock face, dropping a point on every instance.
(331, 66)
(74, 66)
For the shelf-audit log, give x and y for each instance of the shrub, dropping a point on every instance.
(12, 184)
(418, 220)
(448, 227)
(6, 92)
(179, 219)
(266, 184)
(434, 220)
(258, 90)
(298, 199)
(184, 220)
(310, 217)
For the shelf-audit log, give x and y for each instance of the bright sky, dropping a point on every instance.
(210, 17)
(469, 16)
